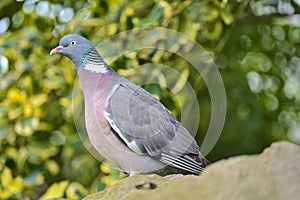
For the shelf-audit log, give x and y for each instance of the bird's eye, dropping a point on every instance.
(73, 42)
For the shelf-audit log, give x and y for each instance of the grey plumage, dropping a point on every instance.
(123, 114)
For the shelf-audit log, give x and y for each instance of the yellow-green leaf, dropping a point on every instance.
(26, 126)
(76, 191)
(52, 167)
(6, 177)
(56, 190)
(38, 100)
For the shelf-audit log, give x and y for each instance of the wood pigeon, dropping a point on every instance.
(125, 123)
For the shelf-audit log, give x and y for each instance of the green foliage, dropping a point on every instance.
(41, 154)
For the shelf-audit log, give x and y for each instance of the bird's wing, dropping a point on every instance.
(147, 127)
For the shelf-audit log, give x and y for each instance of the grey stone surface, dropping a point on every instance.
(273, 174)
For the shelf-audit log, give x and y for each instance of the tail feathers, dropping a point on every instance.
(190, 164)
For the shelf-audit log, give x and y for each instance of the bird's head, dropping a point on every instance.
(74, 47)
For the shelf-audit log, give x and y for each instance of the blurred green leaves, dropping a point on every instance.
(255, 45)
(10, 186)
(26, 126)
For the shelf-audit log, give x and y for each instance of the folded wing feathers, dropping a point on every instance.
(182, 162)
(132, 144)
(172, 144)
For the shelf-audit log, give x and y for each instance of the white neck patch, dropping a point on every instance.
(96, 68)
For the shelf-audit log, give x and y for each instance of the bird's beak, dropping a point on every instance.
(56, 50)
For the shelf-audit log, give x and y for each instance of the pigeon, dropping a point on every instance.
(125, 123)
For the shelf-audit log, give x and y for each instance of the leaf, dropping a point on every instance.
(39, 99)
(17, 185)
(14, 113)
(26, 126)
(106, 168)
(5, 194)
(6, 177)
(8, 80)
(35, 178)
(4, 132)
(76, 191)
(257, 60)
(39, 152)
(53, 167)
(227, 17)
(12, 153)
(56, 190)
